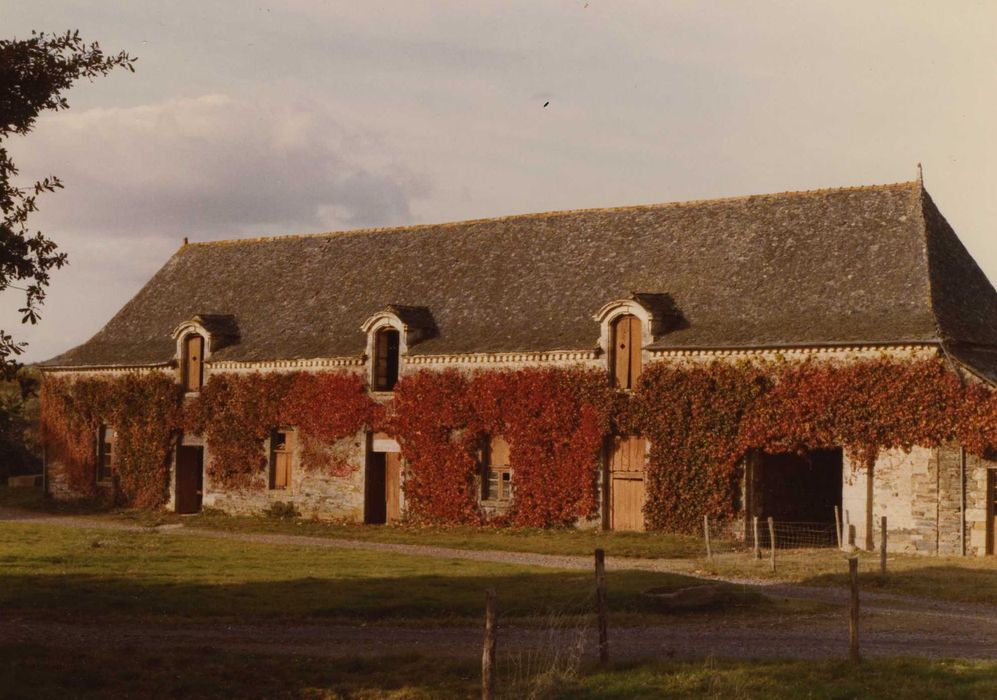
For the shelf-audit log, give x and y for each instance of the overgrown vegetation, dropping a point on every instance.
(145, 413)
(20, 446)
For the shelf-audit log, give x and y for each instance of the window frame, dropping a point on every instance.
(385, 381)
(501, 475)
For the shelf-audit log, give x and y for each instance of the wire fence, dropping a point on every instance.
(757, 535)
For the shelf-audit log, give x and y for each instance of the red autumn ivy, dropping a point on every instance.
(143, 409)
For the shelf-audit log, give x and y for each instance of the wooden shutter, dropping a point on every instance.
(386, 349)
(393, 485)
(626, 356)
(193, 359)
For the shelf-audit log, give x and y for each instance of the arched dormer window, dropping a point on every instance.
(626, 328)
(197, 340)
(625, 351)
(192, 362)
(390, 335)
(387, 350)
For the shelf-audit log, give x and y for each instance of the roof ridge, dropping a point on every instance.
(557, 212)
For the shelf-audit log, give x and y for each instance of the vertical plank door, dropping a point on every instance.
(626, 484)
(393, 485)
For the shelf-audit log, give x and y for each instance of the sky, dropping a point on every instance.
(247, 119)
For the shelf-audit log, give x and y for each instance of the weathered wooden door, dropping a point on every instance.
(393, 485)
(375, 478)
(992, 511)
(189, 479)
(193, 369)
(626, 351)
(627, 468)
(282, 448)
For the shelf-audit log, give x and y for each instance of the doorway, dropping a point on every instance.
(991, 511)
(382, 488)
(189, 479)
(627, 493)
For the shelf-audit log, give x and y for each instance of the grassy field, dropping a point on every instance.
(208, 673)
(963, 579)
(51, 570)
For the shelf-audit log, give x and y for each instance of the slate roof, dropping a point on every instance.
(874, 264)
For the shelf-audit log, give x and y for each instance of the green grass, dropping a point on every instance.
(42, 672)
(567, 541)
(960, 579)
(58, 571)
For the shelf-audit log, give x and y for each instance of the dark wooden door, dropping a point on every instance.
(992, 511)
(393, 485)
(375, 481)
(627, 468)
(189, 479)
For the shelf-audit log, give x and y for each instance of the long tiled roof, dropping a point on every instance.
(858, 265)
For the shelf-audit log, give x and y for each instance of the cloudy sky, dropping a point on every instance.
(245, 119)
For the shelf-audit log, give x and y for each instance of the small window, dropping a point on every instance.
(496, 474)
(105, 453)
(625, 355)
(280, 459)
(386, 350)
(192, 363)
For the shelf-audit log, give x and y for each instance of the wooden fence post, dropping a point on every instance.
(853, 610)
(851, 538)
(758, 547)
(601, 606)
(706, 535)
(488, 652)
(837, 525)
(772, 542)
(882, 545)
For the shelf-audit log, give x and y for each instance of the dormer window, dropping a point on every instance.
(625, 351)
(391, 333)
(387, 347)
(627, 327)
(192, 362)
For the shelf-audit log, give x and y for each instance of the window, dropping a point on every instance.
(386, 350)
(625, 355)
(281, 442)
(496, 473)
(192, 363)
(105, 453)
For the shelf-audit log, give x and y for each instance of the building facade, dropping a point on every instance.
(831, 277)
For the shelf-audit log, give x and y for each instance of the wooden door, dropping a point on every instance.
(189, 479)
(282, 450)
(992, 511)
(393, 486)
(375, 500)
(627, 337)
(627, 468)
(193, 369)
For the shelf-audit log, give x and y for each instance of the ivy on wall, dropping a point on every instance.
(553, 419)
(700, 420)
(236, 412)
(145, 412)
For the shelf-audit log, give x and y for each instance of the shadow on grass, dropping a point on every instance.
(956, 583)
(436, 598)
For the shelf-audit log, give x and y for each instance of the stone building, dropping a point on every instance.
(836, 274)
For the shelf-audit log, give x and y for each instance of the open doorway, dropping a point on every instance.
(798, 491)
(189, 479)
(382, 488)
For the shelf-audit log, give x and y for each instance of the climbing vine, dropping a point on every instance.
(236, 413)
(144, 411)
(553, 419)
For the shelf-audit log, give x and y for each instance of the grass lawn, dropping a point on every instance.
(51, 570)
(539, 541)
(208, 673)
(963, 579)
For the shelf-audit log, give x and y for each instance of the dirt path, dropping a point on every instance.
(891, 625)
